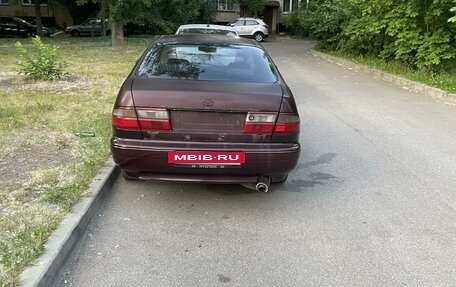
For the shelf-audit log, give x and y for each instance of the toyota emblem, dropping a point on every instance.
(208, 103)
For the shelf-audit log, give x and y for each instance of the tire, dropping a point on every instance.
(258, 36)
(280, 178)
(75, 33)
(126, 176)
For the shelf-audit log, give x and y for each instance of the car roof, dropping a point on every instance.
(206, 39)
(250, 18)
(213, 27)
(206, 26)
(11, 17)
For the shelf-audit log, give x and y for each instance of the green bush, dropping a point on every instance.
(41, 62)
(420, 35)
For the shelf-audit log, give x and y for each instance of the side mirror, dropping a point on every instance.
(232, 25)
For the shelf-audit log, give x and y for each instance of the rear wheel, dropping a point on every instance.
(75, 33)
(126, 176)
(258, 36)
(279, 178)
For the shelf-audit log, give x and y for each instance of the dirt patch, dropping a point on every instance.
(33, 150)
(11, 82)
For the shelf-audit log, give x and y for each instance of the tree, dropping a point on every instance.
(453, 9)
(39, 23)
(165, 15)
(251, 7)
(418, 34)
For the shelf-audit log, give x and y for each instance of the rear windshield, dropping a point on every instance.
(229, 63)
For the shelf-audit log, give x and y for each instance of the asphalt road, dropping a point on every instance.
(372, 202)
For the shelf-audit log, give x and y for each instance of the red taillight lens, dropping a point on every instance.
(125, 118)
(259, 123)
(144, 119)
(154, 119)
(287, 124)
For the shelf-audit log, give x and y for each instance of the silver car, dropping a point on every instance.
(207, 29)
(251, 27)
(90, 27)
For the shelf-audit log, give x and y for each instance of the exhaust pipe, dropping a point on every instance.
(262, 184)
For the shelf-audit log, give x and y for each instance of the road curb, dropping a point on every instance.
(405, 83)
(61, 242)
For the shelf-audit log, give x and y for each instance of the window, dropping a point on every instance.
(208, 62)
(290, 5)
(32, 2)
(239, 23)
(4, 2)
(227, 5)
(251, 23)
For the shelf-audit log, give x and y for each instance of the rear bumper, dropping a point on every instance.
(149, 160)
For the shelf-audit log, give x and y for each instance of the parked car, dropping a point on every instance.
(90, 27)
(207, 29)
(18, 27)
(205, 108)
(251, 27)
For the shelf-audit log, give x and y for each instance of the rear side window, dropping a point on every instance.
(228, 63)
(238, 23)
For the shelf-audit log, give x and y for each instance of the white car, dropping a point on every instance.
(251, 27)
(207, 29)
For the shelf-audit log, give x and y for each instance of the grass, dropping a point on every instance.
(44, 167)
(445, 80)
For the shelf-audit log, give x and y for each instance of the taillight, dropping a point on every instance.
(141, 119)
(125, 118)
(259, 123)
(287, 123)
(154, 119)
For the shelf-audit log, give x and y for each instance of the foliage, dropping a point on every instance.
(41, 62)
(251, 7)
(323, 20)
(453, 9)
(164, 16)
(167, 15)
(293, 24)
(38, 124)
(419, 34)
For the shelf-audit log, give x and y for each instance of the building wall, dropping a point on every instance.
(272, 13)
(52, 15)
(292, 5)
(226, 16)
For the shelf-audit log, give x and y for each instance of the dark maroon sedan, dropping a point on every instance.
(199, 108)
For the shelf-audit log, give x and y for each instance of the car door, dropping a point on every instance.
(239, 25)
(13, 27)
(250, 26)
(8, 27)
(2, 26)
(90, 27)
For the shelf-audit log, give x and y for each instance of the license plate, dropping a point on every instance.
(206, 158)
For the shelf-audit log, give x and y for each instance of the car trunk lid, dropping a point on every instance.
(207, 110)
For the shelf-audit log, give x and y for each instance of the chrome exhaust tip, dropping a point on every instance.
(262, 184)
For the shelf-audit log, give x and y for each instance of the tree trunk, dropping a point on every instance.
(39, 24)
(103, 26)
(117, 37)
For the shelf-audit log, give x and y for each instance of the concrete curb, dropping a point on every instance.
(405, 83)
(70, 230)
